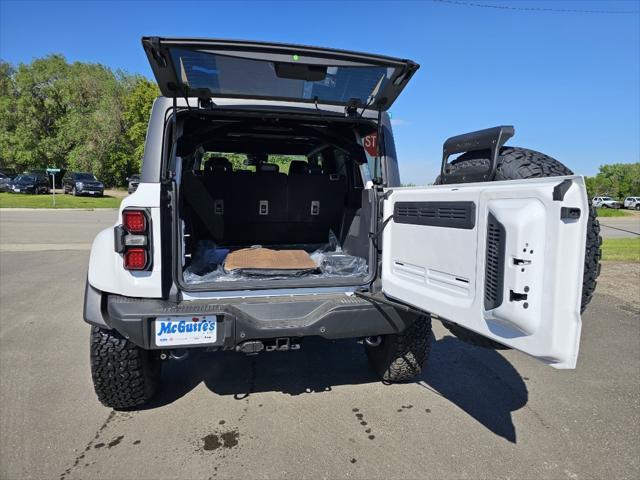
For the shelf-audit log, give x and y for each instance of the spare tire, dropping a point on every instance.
(515, 163)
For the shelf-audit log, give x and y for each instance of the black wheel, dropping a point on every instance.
(520, 163)
(401, 357)
(637, 206)
(124, 375)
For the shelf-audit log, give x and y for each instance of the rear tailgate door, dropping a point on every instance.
(271, 71)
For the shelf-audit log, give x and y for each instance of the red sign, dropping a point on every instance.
(370, 143)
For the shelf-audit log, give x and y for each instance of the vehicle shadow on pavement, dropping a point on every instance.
(479, 381)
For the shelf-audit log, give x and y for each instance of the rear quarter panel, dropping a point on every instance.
(106, 271)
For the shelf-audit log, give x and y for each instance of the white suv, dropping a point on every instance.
(346, 251)
(632, 203)
(605, 202)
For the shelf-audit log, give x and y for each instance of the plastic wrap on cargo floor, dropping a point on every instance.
(207, 264)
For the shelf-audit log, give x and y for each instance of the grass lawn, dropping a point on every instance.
(20, 200)
(611, 212)
(621, 249)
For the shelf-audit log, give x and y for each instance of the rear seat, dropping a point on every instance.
(217, 172)
(268, 207)
(210, 189)
(315, 203)
(257, 211)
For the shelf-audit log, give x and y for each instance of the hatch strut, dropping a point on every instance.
(174, 137)
(377, 165)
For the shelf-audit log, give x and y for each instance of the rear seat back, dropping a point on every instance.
(315, 205)
(268, 207)
(257, 207)
(217, 172)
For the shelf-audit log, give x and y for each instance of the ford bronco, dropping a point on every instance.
(269, 209)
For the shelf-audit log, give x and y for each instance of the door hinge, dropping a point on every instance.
(560, 190)
(156, 52)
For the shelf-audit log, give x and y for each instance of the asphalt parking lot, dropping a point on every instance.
(621, 227)
(317, 412)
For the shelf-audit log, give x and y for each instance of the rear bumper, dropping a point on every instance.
(239, 320)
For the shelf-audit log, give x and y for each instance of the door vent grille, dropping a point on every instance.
(436, 214)
(494, 267)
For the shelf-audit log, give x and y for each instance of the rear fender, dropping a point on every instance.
(106, 271)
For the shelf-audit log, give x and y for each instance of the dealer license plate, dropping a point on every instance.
(176, 331)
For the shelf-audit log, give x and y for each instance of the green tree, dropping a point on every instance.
(138, 105)
(78, 116)
(618, 180)
(7, 116)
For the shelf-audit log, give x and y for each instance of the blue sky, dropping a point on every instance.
(568, 82)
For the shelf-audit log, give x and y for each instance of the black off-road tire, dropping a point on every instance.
(400, 357)
(124, 375)
(521, 163)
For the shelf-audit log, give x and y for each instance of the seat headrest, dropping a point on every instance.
(222, 162)
(267, 168)
(298, 167)
(218, 165)
(315, 170)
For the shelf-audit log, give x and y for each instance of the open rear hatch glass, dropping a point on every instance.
(270, 71)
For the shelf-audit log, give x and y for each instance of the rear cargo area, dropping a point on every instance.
(265, 201)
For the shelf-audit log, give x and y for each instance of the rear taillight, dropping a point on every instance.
(134, 221)
(132, 239)
(135, 259)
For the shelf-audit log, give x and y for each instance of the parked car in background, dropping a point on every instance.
(30, 183)
(82, 183)
(134, 180)
(55, 178)
(632, 203)
(4, 182)
(9, 172)
(605, 202)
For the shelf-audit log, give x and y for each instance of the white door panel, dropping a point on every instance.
(496, 258)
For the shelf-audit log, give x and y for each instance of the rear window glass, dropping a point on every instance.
(241, 161)
(25, 178)
(225, 75)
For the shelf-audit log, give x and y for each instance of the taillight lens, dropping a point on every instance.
(133, 239)
(134, 221)
(135, 259)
